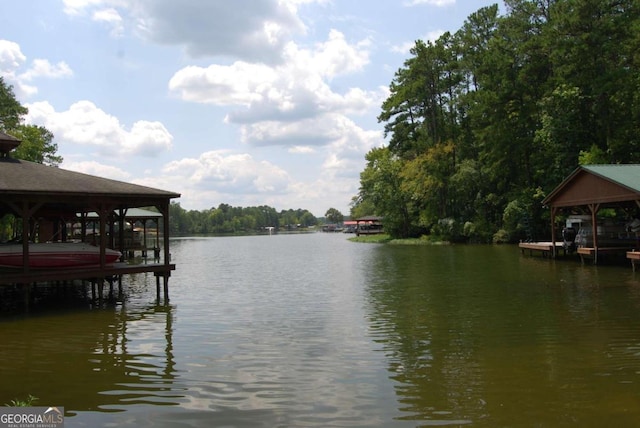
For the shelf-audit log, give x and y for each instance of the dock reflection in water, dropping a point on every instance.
(90, 360)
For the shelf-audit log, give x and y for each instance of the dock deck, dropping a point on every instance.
(545, 248)
(96, 275)
(594, 254)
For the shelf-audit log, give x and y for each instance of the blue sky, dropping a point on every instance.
(248, 102)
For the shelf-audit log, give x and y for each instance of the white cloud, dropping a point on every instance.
(240, 180)
(213, 28)
(240, 83)
(11, 57)
(12, 60)
(302, 150)
(406, 47)
(332, 57)
(112, 18)
(316, 131)
(229, 173)
(291, 104)
(85, 124)
(345, 155)
(43, 68)
(438, 3)
(77, 7)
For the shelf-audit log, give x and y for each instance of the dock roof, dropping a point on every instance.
(22, 180)
(597, 184)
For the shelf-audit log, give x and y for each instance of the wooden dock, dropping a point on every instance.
(585, 253)
(545, 248)
(634, 258)
(595, 253)
(96, 275)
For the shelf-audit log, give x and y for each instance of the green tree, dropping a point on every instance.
(334, 216)
(37, 145)
(11, 111)
(483, 123)
(36, 141)
(381, 186)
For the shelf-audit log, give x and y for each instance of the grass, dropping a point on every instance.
(386, 239)
(27, 402)
(374, 239)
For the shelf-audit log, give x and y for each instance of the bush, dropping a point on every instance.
(501, 237)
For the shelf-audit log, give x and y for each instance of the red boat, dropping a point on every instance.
(55, 255)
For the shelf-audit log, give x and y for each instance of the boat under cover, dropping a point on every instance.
(55, 255)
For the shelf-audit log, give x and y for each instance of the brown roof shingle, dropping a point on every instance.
(19, 176)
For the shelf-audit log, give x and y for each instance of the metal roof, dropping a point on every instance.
(596, 184)
(626, 175)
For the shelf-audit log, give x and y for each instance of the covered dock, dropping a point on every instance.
(369, 225)
(45, 200)
(591, 188)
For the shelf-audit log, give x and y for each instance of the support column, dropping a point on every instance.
(553, 231)
(166, 287)
(594, 208)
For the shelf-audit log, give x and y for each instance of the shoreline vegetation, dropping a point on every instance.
(383, 238)
(483, 123)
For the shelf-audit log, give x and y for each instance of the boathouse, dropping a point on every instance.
(47, 199)
(590, 188)
(369, 225)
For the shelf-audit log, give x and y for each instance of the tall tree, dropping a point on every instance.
(37, 142)
(11, 111)
(381, 186)
(333, 215)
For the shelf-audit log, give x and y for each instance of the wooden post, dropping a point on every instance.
(594, 229)
(166, 287)
(110, 281)
(553, 231)
(100, 289)
(122, 213)
(27, 296)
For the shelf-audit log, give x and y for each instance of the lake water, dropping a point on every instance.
(315, 331)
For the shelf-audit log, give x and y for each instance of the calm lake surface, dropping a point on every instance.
(316, 331)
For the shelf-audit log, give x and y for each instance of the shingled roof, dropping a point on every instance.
(7, 143)
(58, 190)
(20, 177)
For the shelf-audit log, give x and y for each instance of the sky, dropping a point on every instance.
(246, 102)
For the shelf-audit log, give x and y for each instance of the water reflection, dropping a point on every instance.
(316, 331)
(493, 340)
(106, 359)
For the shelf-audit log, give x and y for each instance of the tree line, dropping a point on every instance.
(483, 123)
(226, 219)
